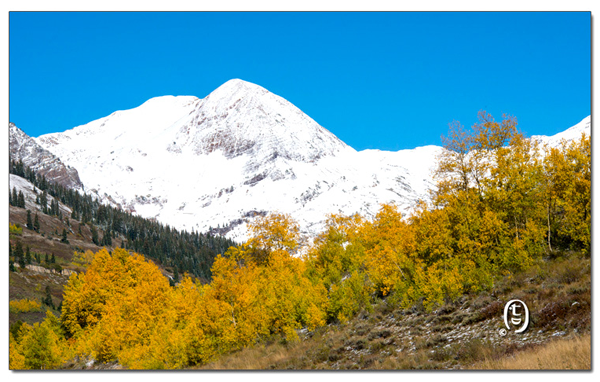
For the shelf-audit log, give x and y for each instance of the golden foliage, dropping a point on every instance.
(15, 229)
(42, 346)
(501, 203)
(24, 306)
(83, 259)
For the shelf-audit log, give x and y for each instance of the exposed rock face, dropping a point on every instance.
(38, 269)
(23, 147)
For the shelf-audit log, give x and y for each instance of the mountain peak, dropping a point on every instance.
(238, 84)
(233, 91)
(240, 117)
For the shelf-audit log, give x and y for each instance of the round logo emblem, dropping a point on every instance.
(516, 314)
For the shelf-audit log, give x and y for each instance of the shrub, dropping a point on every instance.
(492, 310)
(24, 306)
(550, 313)
(15, 229)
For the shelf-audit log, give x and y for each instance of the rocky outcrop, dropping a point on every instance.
(38, 269)
(23, 147)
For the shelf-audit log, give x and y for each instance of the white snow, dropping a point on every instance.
(572, 133)
(198, 163)
(30, 192)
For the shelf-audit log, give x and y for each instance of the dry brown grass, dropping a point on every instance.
(565, 354)
(260, 357)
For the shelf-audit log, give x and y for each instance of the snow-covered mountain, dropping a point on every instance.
(572, 133)
(23, 147)
(241, 151)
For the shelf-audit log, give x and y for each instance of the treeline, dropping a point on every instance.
(501, 205)
(184, 251)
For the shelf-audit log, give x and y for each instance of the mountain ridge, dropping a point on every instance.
(26, 149)
(240, 151)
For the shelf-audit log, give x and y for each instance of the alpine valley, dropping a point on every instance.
(217, 162)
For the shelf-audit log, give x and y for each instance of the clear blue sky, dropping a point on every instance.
(376, 80)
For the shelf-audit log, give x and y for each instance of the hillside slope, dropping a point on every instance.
(464, 334)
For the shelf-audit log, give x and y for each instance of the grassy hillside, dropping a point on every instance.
(31, 282)
(459, 335)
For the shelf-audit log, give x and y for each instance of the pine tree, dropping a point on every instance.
(46, 260)
(95, 235)
(36, 223)
(28, 255)
(176, 276)
(15, 197)
(19, 256)
(44, 202)
(29, 222)
(48, 299)
(21, 200)
(107, 239)
(64, 236)
(53, 259)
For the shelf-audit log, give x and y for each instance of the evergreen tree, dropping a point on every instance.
(107, 239)
(28, 255)
(15, 330)
(176, 275)
(53, 259)
(95, 235)
(19, 255)
(36, 223)
(64, 236)
(46, 259)
(44, 202)
(11, 266)
(29, 222)
(15, 197)
(54, 208)
(48, 299)
(37, 258)
(21, 200)
(18, 249)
